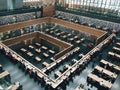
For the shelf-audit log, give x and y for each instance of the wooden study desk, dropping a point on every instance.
(107, 72)
(37, 59)
(29, 54)
(75, 37)
(45, 55)
(38, 50)
(45, 64)
(71, 39)
(51, 28)
(52, 59)
(68, 35)
(4, 74)
(58, 74)
(111, 53)
(31, 47)
(67, 66)
(78, 42)
(23, 49)
(116, 49)
(98, 79)
(62, 33)
(43, 47)
(74, 60)
(118, 45)
(52, 52)
(15, 86)
(56, 30)
(117, 56)
(64, 36)
(38, 44)
(51, 32)
(47, 30)
(58, 34)
(110, 64)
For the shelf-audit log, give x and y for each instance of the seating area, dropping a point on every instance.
(37, 53)
(19, 32)
(91, 22)
(104, 75)
(59, 51)
(115, 52)
(39, 58)
(5, 81)
(6, 20)
(68, 37)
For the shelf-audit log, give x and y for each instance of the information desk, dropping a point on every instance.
(98, 79)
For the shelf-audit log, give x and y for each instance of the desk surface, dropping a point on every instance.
(98, 79)
(37, 58)
(51, 51)
(110, 64)
(58, 73)
(45, 64)
(22, 49)
(45, 54)
(45, 48)
(15, 86)
(38, 44)
(107, 72)
(38, 50)
(30, 54)
(4, 74)
(31, 47)
(111, 53)
(116, 48)
(118, 44)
